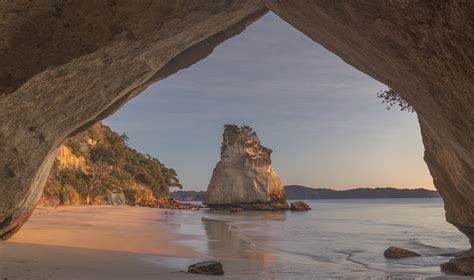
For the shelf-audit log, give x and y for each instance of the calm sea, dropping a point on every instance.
(337, 239)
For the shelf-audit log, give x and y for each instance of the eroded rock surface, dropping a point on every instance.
(244, 176)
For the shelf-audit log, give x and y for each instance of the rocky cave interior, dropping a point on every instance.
(67, 65)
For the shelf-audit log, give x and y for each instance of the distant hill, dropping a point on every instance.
(302, 192)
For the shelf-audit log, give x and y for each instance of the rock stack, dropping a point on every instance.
(244, 176)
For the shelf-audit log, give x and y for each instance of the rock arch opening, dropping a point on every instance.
(318, 114)
(88, 66)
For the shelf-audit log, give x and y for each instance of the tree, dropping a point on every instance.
(392, 98)
(172, 179)
(97, 177)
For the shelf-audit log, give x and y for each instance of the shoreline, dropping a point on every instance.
(111, 228)
(126, 242)
(96, 242)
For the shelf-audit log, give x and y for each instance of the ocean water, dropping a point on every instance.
(336, 239)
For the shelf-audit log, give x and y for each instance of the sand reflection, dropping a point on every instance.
(240, 256)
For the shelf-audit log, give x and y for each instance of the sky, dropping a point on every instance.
(319, 115)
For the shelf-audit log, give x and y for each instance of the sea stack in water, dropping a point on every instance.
(244, 176)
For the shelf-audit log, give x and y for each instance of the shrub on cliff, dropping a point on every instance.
(393, 98)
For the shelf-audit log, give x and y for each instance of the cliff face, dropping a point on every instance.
(67, 159)
(244, 174)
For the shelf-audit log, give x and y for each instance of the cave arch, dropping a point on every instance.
(66, 65)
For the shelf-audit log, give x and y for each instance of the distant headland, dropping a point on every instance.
(302, 192)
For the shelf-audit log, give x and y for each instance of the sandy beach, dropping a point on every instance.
(123, 242)
(96, 242)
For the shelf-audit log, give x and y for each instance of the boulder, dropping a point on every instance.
(399, 253)
(207, 268)
(461, 264)
(244, 177)
(116, 198)
(299, 206)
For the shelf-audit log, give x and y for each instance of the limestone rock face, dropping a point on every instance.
(244, 175)
(68, 160)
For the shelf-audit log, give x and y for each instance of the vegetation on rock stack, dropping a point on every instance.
(98, 167)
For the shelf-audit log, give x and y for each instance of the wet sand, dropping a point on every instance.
(96, 242)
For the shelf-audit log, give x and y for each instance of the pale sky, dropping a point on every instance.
(319, 115)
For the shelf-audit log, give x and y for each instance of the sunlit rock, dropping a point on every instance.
(244, 176)
(67, 159)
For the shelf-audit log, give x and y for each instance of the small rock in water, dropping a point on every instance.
(399, 253)
(236, 209)
(206, 268)
(299, 206)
